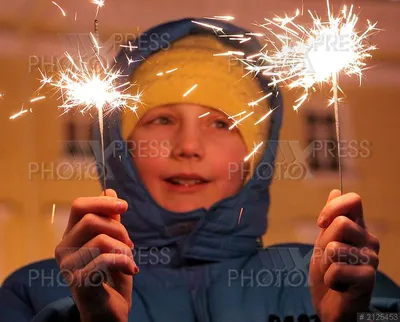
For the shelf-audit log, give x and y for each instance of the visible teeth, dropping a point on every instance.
(186, 182)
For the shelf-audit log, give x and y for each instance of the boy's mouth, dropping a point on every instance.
(186, 180)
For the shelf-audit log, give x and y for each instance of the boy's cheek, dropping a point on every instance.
(233, 169)
(150, 149)
(165, 148)
(238, 171)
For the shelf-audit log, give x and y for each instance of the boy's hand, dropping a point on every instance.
(95, 257)
(344, 261)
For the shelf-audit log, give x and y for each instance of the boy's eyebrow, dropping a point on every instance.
(222, 115)
(215, 112)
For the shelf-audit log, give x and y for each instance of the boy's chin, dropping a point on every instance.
(184, 207)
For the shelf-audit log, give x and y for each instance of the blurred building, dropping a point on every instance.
(41, 166)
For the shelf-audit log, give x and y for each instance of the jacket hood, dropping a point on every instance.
(206, 235)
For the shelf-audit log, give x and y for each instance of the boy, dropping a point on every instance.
(196, 210)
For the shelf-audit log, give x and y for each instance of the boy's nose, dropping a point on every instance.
(188, 144)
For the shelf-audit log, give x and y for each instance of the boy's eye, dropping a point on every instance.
(163, 120)
(220, 124)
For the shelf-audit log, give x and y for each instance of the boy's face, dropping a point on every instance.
(184, 156)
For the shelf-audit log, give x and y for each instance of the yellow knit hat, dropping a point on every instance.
(167, 75)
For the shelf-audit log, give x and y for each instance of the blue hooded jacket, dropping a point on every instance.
(201, 266)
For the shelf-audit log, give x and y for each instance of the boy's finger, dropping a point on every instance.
(348, 205)
(110, 193)
(346, 231)
(340, 277)
(74, 260)
(113, 193)
(337, 252)
(333, 194)
(91, 226)
(103, 265)
(106, 206)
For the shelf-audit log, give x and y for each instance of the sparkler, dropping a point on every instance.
(240, 215)
(240, 120)
(84, 87)
(59, 7)
(222, 18)
(206, 25)
(167, 72)
(190, 90)
(33, 100)
(23, 111)
(303, 58)
(13, 117)
(99, 3)
(231, 53)
(53, 212)
(253, 152)
(236, 115)
(203, 115)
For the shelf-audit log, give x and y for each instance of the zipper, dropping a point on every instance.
(198, 284)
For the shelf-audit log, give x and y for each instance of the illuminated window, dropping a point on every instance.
(78, 134)
(321, 136)
(322, 157)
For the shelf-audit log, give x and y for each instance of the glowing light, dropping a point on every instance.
(171, 70)
(33, 100)
(59, 7)
(303, 58)
(240, 215)
(238, 121)
(53, 212)
(13, 117)
(85, 88)
(99, 3)
(236, 115)
(223, 18)
(215, 28)
(253, 152)
(231, 53)
(254, 103)
(265, 116)
(202, 115)
(190, 90)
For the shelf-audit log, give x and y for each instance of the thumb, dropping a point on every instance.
(333, 194)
